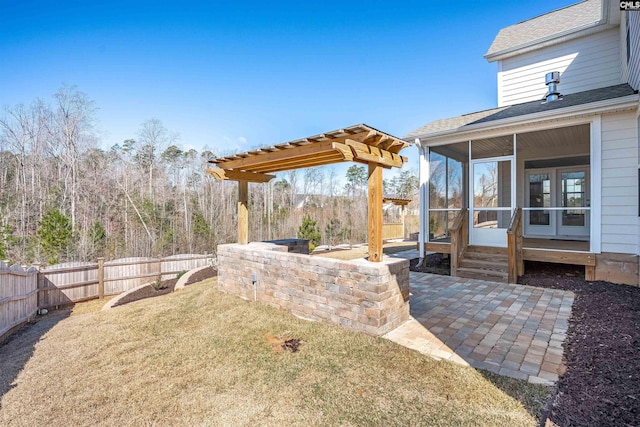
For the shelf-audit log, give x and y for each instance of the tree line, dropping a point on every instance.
(63, 198)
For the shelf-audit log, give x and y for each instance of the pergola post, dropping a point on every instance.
(374, 222)
(243, 212)
(402, 217)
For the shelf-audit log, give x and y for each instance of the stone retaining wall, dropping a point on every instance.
(360, 295)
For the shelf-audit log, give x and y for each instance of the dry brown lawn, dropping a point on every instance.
(200, 357)
(363, 251)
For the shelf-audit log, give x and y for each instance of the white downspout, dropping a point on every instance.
(595, 232)
(424, 198)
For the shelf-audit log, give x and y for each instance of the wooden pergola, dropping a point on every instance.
(398, 202)
(360, 143)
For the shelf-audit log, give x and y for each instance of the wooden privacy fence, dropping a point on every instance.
(23, 293)
(18, 296)
(81, 281)
(393, 231)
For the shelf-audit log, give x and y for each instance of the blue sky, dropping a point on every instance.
(232, 76)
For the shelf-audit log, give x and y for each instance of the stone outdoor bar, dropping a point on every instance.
(360, 295)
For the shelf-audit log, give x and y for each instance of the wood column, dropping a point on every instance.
(402, 216)
(243, 212)
(374, 208)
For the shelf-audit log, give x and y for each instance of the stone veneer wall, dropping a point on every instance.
(618, 268)
(360, 295)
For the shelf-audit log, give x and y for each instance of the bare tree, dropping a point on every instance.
(154, 139)
(71, 129)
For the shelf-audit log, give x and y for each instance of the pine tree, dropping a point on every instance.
(309, 230)
(97, 238)
(333, 231)
(54, 234)
(6, 240)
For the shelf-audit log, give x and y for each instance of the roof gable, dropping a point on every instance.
(546, 27)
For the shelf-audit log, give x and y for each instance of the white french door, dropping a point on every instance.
(540, 193)
(573, 192)
(558, 200)
(491, 199)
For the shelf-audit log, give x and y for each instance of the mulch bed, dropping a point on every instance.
(436, 264)
(601, 386)
(148, 292)
(201, 275)
(166, 287)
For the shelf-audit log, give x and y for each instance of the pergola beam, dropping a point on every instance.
(234, 175)
(254, 163)
(369, 154)
(396, 201)
(319, 159)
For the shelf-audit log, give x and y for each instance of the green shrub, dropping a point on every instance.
(309, 230)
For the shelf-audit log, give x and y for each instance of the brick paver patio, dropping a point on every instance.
(512, 330)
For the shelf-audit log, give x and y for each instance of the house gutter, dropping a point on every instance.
(423, 189)
(629, 102)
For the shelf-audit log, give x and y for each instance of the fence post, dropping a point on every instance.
(159, 270)
(101, 278)
(39, 285)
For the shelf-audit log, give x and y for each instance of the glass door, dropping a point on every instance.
(540, 194)
(491, 201)
(574, 193)
(557, 202)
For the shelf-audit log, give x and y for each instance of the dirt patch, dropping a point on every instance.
(602, 349)
(279, 344)
(436, 264)
(292, 345)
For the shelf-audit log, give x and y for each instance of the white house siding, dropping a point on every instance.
(620, 183)
(586, 63)
(633, 64)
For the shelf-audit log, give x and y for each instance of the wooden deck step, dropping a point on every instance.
(486, 257)
(487, 249)
(482, 274)
(497, 265)
(484, 263)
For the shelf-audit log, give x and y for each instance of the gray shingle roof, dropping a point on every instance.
(570, 100)
(451, 123)
(546, 26)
